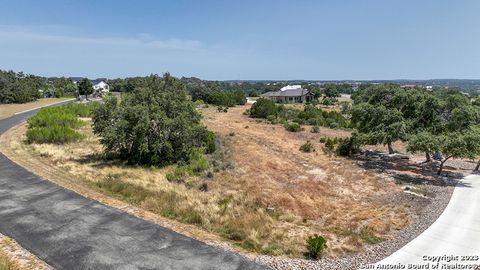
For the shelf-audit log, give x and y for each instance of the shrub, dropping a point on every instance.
(272, 119)
(323, 140)
(55, 116)
(307, 147)
(83, 109)
(58, 93)
(178, 175)
(330, 144)
(293, 127)
(209, 142)
(262, 108)
(197, 163)
(315, 129)
(348, 146)
(329, 101)
(220, 98)
(316, 244)
(53, 134)
(54, 125)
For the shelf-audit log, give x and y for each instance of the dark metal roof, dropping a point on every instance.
(287, 93)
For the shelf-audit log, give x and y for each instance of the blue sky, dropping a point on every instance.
(356, 39)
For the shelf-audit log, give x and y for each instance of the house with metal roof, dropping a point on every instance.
(289, 94)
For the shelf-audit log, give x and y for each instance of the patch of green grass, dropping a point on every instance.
(58, 124)
(82, 109)
(53, 134)
(55, 116)
(197, 163)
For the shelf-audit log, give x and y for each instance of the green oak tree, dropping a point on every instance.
(379, 124)
(85, 88)
(153, 125)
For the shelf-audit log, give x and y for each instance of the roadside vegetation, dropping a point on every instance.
(310, 115)
(58, 124)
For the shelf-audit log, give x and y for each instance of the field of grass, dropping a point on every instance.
(261, 194)
(7, 110)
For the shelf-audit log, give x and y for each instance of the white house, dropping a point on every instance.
(101, 89)
(289, 94)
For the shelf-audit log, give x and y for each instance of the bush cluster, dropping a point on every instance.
(56, 124)
(346, 146)
(267, 109)
(307, 147)
(227, 99)
(293, 127)
(263, 108)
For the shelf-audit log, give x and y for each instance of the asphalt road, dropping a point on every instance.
(69, 231)
(453, 240)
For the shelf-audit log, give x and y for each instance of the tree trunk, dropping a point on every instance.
(390, 149)
(478, 166)
(441, 165)
(427, 157)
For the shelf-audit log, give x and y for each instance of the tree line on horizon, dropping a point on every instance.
(22, 88)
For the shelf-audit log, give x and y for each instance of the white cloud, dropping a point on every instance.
(143, 40)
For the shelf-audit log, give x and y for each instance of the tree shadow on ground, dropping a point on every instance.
(100, 161)
(405, 171)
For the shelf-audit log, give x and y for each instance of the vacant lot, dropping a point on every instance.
(7, 110)
(263, 194)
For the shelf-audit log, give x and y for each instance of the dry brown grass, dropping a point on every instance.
(14, 257)
(309, 192)
(7, 110)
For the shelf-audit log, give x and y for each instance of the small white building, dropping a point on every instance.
(101, 89)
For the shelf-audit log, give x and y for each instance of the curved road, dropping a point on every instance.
(452, 240)
(69, 231)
